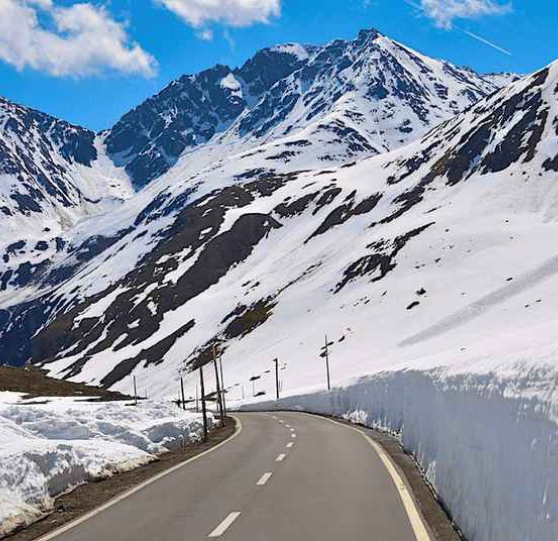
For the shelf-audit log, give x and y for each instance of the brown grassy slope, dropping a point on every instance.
(35, 383)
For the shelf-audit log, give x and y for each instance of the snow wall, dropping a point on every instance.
(487, 443)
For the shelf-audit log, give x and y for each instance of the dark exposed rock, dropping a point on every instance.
(152, 355)
(288, 210)
(345, 212)
(247, 319)
(381, 261)
(190, 111)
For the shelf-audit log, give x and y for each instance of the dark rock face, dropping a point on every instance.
(21, 321)
(345, 212)
(30, 145)
(499, 132)
(381, 261)
(190, 111)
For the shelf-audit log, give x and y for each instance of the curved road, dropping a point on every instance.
(284, 477)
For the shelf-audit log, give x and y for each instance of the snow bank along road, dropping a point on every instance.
(285, 476)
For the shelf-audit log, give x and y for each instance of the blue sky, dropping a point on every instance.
(91, 61)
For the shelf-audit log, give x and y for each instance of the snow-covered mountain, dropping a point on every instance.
(52, 174)
(338, 102)
(425, 257)
(191, 110)
(413, 244)
(290, 107)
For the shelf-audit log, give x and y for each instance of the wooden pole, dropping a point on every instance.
(204, 408)
(218, 386)
(135, 391)
(276, 361)
(197, 402)
(222, 383)
(327, 364)
(182, 392)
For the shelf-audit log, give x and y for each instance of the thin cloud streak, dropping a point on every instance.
(485, 41)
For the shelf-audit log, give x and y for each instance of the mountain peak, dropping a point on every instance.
(368, 33)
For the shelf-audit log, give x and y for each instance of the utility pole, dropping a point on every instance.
(219, 397)
(182, 392)
(276, 361)
(204, 409)
(197, 403)
(135, 391)
(223, 383)
(326, 351)
(242, 387)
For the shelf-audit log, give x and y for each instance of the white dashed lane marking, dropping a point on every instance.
(281, 457)
(289, 445)
(225, 525)
(264, 478)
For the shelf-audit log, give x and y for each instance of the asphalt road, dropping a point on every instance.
(284, 477)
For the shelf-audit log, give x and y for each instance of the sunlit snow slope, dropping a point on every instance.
(429, 266)
(289, 107)
(439, 245)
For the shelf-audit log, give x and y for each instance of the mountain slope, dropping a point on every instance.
(288, 108)
(52, 174)
(405, 253)
(190, 111)
(372, 90)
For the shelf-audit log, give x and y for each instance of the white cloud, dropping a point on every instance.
(230, 12)
(78, 40)
(444, 12)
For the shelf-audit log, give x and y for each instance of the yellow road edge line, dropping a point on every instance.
(415, 517)
(137, 488)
